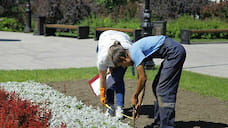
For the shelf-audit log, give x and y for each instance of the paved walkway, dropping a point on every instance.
(27, 51)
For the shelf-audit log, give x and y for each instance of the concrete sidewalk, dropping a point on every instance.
(26, 51)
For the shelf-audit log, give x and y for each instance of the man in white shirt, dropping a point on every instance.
(105, 66)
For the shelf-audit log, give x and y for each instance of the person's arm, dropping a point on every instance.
(102, 75)
(137, 97)
(140, 97)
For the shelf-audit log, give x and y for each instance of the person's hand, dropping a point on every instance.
(102, 96)
(134, 100)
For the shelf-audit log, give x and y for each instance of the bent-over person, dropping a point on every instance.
(165, 83)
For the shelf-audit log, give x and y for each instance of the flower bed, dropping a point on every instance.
(64, 109)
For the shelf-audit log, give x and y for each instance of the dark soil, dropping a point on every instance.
(192, 110)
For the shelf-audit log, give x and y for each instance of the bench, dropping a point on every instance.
(50, 29)
(186, 34)
(136, 32)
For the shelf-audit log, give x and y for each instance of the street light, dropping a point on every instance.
(146, 27)
(146, 24)
(28, 17)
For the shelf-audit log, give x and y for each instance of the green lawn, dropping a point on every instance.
(202, 84)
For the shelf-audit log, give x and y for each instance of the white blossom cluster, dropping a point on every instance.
(64, 109)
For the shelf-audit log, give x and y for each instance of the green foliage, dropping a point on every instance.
(12, 9)
(94, 22)
(10, 24)
(109, 4)
(173, 26)
(101, 21)
(188, 22)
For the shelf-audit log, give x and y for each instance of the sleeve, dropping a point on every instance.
(137, 56)
(101, 65)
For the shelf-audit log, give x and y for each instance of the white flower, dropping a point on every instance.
(64, 109)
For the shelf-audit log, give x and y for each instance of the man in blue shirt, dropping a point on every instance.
(165, 83)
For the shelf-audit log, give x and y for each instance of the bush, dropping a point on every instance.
(61, 11)
(10, 24)
(125, 9)
(18, 113)
(219, 10)
(109, 4)
(101, 21)
(166, 9)
(13, 9)
(188, 22)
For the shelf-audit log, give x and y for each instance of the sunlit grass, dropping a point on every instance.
(195, 82)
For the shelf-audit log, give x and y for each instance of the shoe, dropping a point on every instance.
(119, 112)
(110, 112)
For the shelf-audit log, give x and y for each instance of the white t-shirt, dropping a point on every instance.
(107, 39)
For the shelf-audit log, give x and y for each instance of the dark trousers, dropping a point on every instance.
(118, 87)
(166, 82)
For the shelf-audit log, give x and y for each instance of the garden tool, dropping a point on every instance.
(121, 113)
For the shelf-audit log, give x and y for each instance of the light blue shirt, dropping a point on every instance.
(144, 47)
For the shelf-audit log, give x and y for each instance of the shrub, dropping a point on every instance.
(13, 9)
(95, 21)
(219, 10)
(10, 24)
(109, 4)
(101, 21)
(66, 111)
(188, 22)
(18, 113)
(119, 9)
(165, 9)
(61, 11)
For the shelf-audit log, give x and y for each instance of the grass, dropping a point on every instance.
(51, 75)
(194, 82)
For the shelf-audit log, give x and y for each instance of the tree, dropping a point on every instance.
(62, 11)
(165, 9)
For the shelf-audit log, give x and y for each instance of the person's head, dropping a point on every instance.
(119, 55)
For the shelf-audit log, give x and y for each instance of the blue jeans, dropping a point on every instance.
(118, 87)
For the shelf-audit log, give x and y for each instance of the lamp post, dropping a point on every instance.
(28, 17)
(146, 27)
(146, 24)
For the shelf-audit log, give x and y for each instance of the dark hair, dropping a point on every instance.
(115, 52)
